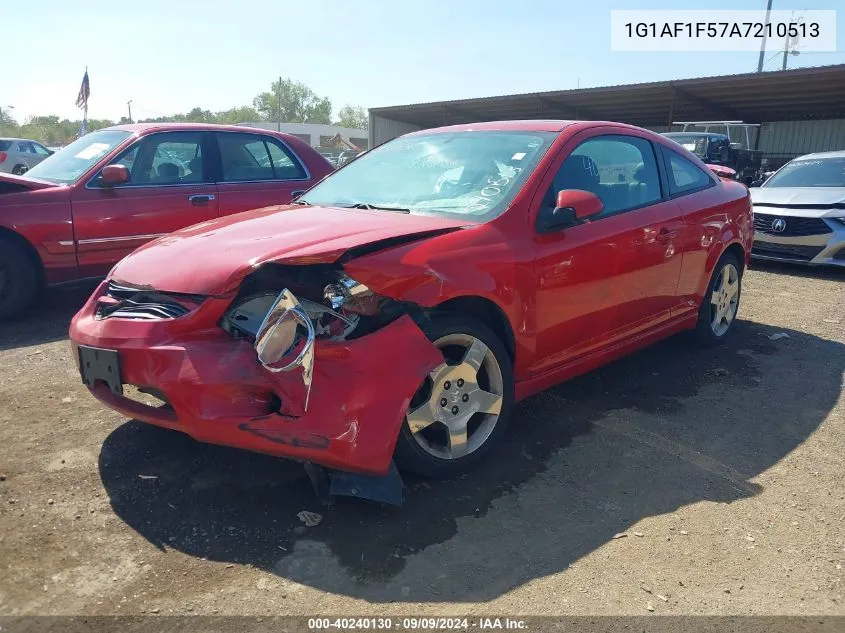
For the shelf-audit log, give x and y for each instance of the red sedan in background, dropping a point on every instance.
(78, 212)
(404, 306)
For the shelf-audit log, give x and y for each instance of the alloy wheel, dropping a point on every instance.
(724, 300)
(457, 408)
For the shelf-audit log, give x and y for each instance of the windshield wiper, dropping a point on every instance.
(365, 205)
(301, 201)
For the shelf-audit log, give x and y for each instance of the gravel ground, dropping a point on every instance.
(676, 481)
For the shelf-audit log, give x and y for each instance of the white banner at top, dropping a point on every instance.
(718, 30)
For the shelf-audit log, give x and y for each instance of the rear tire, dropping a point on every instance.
(462, 409)
(720, 306)
(18, 279)
(19, 170)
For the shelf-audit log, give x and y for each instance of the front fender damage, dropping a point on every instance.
(360, 392)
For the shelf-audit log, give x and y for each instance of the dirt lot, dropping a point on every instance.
(724, 469)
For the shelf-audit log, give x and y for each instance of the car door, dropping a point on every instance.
(256, 170)
(169, 188)
(696, 193)
(615, 276)
(26, 154)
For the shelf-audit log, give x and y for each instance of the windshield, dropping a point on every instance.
(695, 143)
(821, 172)
(451, 174)
(69, 163)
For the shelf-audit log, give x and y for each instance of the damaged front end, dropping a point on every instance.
(303, 362)
(316, 303)
(285, 331)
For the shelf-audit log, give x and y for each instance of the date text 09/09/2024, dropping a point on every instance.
(420, 624)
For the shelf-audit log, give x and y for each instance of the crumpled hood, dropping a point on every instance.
(213, 257)
(822, 201)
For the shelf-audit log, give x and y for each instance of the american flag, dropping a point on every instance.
(84, 92)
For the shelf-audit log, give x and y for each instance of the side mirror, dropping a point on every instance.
(724, 154)
(573, 206)
(114, 175)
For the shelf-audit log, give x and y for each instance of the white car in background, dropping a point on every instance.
(17, 155)
(799, 212)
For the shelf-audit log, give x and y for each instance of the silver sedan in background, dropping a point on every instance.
(799, 213)
(18, 155)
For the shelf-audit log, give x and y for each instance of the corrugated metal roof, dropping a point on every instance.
(816, 92)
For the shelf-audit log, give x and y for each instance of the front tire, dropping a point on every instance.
(462, 409)
(18, 279)
(720, 305)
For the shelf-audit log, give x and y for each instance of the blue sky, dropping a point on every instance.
(171, 55)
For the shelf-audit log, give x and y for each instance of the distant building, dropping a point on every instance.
(800, 111)
(316, 134)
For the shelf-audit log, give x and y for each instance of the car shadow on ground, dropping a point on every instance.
(49, 319)
(669, 426)
(830, 273)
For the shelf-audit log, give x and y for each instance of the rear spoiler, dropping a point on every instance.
(10, 183)
(723, 172)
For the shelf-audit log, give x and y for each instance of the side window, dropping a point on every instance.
(685, 176)
(244, 157)
(620, 170)
(127, 159)
(177, 160)
(169, 158)
(285, 164)
(41, 150)
(26, 147)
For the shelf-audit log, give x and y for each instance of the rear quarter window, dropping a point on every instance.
(684, 175)
(5, 145)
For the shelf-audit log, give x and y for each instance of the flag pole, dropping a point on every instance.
(85, 110)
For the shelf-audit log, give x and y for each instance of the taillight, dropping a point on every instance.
(3, 156)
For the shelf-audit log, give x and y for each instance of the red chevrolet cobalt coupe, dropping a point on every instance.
(402, 307)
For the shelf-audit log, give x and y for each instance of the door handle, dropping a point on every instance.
(200, 199)
(666, 234)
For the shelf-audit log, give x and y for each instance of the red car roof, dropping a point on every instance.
(147, 127)
(529, 126)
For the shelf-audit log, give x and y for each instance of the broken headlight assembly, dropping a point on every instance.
(317, 303)
(351, 296)
(285, 339)
(339, 307)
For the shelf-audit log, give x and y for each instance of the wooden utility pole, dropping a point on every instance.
(279, 109)
(763, 45)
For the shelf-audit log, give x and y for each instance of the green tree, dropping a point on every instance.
(242, 114)
(353, 117)
(6, 118)
(299, 104)
(198, 115)
(49, 129)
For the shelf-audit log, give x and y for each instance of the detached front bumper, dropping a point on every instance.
(218, 392)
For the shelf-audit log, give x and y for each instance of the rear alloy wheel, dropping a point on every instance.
(463, 406)
(719, 308)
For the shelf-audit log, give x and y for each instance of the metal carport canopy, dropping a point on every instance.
(802, 93)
